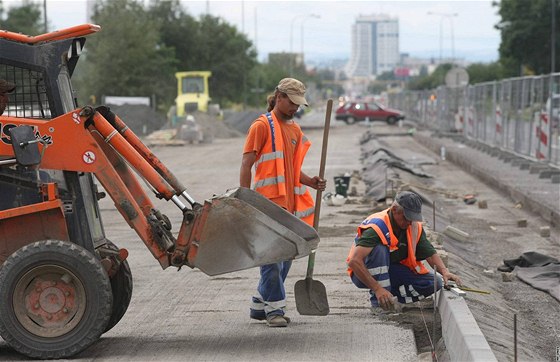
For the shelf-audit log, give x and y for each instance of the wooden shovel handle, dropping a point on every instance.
(311, 261)
(323, 162)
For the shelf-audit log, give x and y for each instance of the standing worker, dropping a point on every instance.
(387, 252)
(5, 89)
(276, 146)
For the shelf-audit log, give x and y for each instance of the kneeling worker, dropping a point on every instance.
(387, 252)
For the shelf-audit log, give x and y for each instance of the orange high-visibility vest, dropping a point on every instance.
(270, 180)
(381, 224)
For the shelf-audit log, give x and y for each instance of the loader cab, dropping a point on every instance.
(192, 92)
(44, 90)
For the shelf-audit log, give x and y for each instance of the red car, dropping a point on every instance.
(351, 112)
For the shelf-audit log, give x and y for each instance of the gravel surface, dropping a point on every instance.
(494, 237)
(188, 315)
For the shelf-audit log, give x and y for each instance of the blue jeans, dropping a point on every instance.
(397, 278)
(271, 295)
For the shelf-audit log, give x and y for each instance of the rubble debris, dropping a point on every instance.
(456, 234)
(469, 199)
(545, 231)
(508, 277)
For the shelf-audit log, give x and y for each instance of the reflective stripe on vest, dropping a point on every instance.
(300, 190)
(269, 157)
(304, 213)
(269, 181)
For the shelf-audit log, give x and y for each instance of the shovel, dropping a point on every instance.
(311, 295)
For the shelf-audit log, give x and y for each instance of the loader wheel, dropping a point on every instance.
(55, 299)
(121, 285)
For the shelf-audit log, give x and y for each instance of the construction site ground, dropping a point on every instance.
(187, 315)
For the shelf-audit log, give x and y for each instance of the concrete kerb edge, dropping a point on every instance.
(463, 338)
(549, 215)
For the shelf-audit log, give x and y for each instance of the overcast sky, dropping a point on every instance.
(276, 26)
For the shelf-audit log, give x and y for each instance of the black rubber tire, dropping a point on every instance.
(55, 299)
(121, 286)
(350, 120)
(391, 120)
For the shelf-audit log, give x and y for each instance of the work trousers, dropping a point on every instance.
(397, 278)
(271, 295)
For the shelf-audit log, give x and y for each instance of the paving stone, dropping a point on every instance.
(545, 231)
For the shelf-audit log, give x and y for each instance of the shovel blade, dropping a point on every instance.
(311, 297)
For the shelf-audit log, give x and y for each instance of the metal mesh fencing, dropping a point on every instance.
(521, 115)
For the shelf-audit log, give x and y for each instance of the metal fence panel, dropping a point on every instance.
(521, 114)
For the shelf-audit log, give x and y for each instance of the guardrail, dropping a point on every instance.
(521, 115)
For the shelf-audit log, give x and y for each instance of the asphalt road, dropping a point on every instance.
(187, 315)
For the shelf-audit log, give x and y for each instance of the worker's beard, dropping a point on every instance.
(284, 116)
(3, 105)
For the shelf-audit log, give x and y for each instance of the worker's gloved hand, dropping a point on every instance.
(385, 298)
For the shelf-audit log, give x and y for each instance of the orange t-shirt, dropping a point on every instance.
(256, 139)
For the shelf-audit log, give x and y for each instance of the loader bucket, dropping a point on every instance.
(242, 229)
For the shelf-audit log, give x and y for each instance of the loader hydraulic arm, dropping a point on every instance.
(85, 141)
(237, 230)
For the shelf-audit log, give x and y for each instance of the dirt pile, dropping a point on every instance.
(241, 121)
(215, 127)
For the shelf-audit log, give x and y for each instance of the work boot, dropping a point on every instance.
(257, 314)
(276, 321)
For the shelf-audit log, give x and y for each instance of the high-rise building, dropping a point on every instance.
(375, 46)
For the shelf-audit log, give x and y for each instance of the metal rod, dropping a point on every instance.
(385, 185)
(178, 202)
(11, 161)
(515, 338)
(188, 197)
(434, 211)
(434, 358)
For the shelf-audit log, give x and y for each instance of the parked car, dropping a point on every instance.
(351, 112)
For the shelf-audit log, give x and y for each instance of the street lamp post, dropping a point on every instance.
(442, 17)
(311, 16)
(300, 16)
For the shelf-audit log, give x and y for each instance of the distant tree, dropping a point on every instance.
(480, 72)
(178, 30)
(265, 77)
(25, 19)
(228, 54)
(378, 87)
(389, 75)
(208, 43)
(328, 84)
(525, 36)
(127, 57)
(431, 81)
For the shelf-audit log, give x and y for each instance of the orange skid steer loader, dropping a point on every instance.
(62, 282)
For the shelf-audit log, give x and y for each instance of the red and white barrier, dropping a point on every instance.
(542, 129)
(499, 126)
